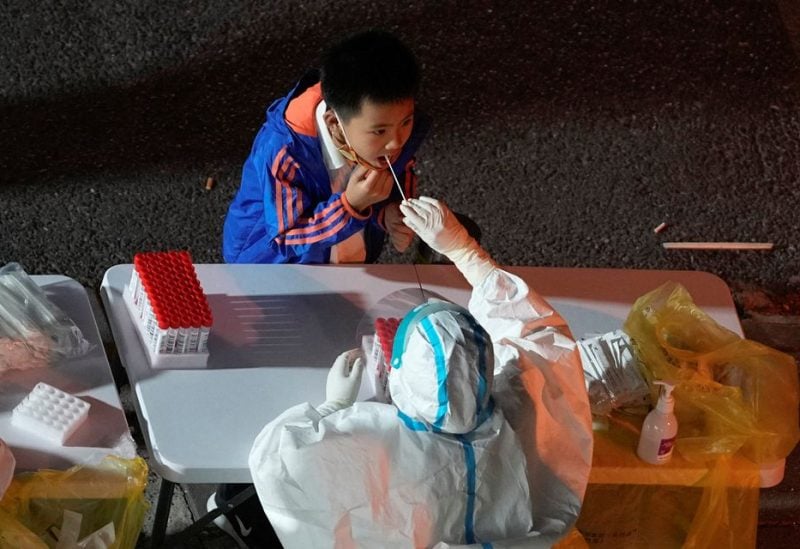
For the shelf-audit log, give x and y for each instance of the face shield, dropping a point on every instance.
(442, 369)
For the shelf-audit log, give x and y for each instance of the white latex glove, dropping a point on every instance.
(439, 228)
(344, 380)
(435, 224)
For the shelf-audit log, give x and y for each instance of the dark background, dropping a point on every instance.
(567, 129)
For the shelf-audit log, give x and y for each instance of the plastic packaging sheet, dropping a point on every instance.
(33, 330)
(732, 394)
(611, 372)
(83, 507)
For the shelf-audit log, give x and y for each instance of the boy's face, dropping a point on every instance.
(379, 130)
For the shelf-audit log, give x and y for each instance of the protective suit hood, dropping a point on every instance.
(442, 369)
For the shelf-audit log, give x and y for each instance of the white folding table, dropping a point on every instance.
(89, 377)
(278, 328)
(595, 301)
(276, 331)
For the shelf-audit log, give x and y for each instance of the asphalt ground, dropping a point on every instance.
(566, 129)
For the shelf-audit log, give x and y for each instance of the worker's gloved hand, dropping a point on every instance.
(439, 228)
(400, 235)
(435, 224)
(344, 380)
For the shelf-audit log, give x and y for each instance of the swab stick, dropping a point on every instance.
(394, 175)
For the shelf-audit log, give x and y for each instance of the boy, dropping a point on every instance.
(316, 187)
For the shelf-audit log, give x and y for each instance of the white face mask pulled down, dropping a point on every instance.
(349, 152)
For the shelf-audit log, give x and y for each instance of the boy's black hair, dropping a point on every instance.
(372, 65)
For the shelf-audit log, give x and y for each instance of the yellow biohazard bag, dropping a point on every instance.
(736, 402)
(718, 510)
(732, 394)
(97, 506)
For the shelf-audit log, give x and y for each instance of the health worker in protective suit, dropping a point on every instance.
(487, 440)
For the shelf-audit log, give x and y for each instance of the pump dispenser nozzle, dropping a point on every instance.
(666, 403)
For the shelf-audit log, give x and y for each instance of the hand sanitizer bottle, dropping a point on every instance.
(659, 428)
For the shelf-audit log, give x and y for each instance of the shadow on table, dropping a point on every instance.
(308, 330)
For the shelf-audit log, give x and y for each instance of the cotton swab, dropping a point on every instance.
(394, 175)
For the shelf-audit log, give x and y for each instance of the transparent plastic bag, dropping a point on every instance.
(33, 330)
(8, 464)
(85, 506)
(732, 394)
(14, 535)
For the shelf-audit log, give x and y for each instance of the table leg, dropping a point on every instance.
(162, 512)
(184, 538)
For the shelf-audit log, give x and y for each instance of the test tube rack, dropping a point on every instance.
(379, 356)
(169, 309)
(385, 329)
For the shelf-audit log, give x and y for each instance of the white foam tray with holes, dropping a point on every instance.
(50, 412)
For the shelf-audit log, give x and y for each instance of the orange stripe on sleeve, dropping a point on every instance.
(299, 204)
(289, 207)
(352, 211)
(284, 169)
(290, 166)
(322, 236)
(276, 165)
(286, 165)
(313, 224)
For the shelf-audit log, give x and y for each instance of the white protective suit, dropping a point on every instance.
(466, 454)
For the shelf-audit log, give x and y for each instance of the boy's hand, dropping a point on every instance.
(400, 235)
(366, 187)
